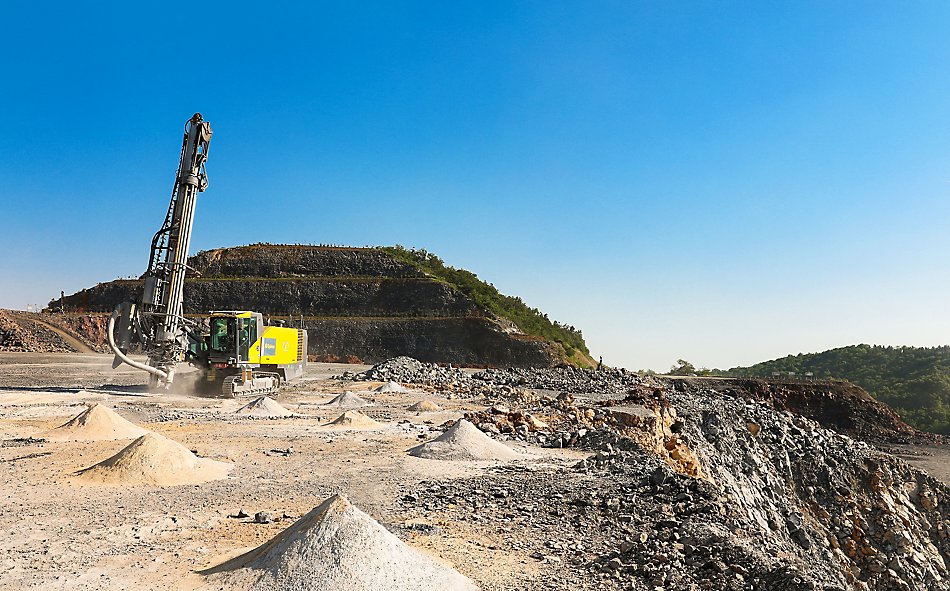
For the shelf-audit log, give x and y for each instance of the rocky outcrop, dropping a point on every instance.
(692, 487)
(360, 296)
(355, 302)
(272, 261)
(382, 297)
(461, 341)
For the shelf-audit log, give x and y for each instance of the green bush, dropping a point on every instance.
(530, 320)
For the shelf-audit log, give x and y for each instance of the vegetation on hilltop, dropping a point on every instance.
(531, 321)
(914, 381)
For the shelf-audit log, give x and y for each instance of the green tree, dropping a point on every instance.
(682, 368)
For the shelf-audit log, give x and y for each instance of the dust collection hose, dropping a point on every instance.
(118, 352)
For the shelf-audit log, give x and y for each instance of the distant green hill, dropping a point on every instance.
(914, 381)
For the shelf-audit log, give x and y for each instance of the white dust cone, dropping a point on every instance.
(425, 406)
(264, 407)
(96, 423)
(337, 547)
(354, 418)
(348, 400)
(463, 441)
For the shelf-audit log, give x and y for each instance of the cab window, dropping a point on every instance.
(222, 335)
(247, 336)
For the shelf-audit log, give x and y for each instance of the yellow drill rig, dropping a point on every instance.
(239, 354)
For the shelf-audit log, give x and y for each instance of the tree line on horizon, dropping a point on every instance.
(914, 381)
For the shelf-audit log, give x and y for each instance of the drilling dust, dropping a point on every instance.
(348, 400)
(354, 418)
(96, 423)
(336, 547)
(156, 460)
(264, 407)
(463, 441)
(425, 406)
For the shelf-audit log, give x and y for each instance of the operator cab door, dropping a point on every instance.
(223, 345)
(247, 336)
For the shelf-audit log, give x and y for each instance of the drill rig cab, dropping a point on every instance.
(248, 357)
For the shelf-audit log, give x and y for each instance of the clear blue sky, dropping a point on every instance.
(723, 182)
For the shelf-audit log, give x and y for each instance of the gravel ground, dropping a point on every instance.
(622, 482)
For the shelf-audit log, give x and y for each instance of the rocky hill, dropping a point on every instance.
(361, 303)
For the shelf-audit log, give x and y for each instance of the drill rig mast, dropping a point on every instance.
(156, 319)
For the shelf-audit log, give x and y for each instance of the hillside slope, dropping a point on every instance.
(367, 303)
(915, 381)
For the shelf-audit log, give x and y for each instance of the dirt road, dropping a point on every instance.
(72, 341)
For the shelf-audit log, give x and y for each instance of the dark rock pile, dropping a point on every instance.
(12, 337)
(19, 332)
(502, 382)
(840, 406)
(575, 380)
(406, 370)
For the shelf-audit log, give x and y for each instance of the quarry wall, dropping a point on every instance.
(357, 296)
(261, 260)
(355, 302)
(465, 341)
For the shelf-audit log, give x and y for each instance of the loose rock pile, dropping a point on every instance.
(839, 406)
(773, 501)
(19, 333)
(407, 370)
(575, 380)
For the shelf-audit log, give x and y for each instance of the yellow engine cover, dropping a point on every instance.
(277, 346)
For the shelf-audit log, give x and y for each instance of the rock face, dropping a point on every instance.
(355, 302)
(285, 261)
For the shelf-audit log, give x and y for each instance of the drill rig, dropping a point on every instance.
(238, 354)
